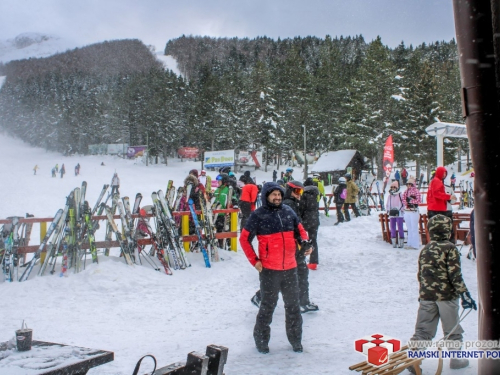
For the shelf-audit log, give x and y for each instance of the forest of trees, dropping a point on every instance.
(239, 93)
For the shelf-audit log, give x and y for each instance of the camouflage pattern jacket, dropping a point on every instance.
(439, 270)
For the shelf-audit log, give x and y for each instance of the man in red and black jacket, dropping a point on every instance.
(437, 198)
(278, 229)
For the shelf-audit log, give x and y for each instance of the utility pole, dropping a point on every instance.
(147, 148)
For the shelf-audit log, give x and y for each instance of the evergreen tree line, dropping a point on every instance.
(239, 93)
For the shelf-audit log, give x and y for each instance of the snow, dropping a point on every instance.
(333, 161)
(169, 62)
(37, 45)
(362, 286)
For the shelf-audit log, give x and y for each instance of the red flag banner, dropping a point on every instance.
(388, 160)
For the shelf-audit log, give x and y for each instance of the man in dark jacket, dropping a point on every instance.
(309, 214)
(293, 194)
(441, 285)
(339, 196)
(278, 229)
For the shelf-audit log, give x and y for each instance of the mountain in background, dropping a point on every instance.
(38, 45)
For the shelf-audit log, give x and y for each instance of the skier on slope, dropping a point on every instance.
(115, 184)
(63, 171)
(35, 169)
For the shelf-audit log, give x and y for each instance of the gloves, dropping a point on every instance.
(467, 301)
(305, 245)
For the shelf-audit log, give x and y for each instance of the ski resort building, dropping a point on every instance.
(334, 164)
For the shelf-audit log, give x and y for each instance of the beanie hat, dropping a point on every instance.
(395, 184)
(411, 181)
(309, 181)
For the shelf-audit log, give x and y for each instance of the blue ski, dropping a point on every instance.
(198, 232)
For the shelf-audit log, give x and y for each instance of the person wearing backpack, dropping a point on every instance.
(394, 206)
(339, 196)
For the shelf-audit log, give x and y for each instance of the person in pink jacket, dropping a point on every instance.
(394, 207)
(411, 200)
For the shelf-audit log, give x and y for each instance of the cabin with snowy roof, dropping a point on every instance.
(333, 164)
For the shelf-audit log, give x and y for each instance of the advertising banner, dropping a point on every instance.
(250, 158)
(135, 151)
(388, 160)
(188, 152)
(118, 148)
(219, 159)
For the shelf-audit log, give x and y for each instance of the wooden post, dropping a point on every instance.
(477, 26)
(234, 228)
(185, 230)
(43, 232)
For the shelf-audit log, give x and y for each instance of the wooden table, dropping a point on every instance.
(48, 358)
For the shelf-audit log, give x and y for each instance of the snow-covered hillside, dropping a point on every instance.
(362, 286)
(36, 45)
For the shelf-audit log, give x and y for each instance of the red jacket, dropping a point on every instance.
(436, 195)
(278, 229)
(249, 193)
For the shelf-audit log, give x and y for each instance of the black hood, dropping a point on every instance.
(267, 189)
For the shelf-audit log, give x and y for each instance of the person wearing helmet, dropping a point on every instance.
(351, 199)
(309, 214)
(339, 196)
(288, 175)
(293, 196)
(278, 230)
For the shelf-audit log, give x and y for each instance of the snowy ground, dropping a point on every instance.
(363, 286)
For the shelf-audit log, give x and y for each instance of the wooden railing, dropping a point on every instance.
(186, 237)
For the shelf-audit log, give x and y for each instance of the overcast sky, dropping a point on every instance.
(157, 21)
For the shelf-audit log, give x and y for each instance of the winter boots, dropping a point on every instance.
(297, 348)
(309, 307)
(457, 363)
(398, 242)
(256, 300)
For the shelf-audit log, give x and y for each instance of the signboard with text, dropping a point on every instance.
(219, 159)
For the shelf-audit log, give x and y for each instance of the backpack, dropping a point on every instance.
(343, 195)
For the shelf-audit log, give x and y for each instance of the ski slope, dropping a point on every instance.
(363, 286)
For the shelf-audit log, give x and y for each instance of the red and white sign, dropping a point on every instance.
(188, 152)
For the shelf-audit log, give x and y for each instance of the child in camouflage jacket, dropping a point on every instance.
(441, 285)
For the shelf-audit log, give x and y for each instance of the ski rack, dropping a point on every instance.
(186, 238)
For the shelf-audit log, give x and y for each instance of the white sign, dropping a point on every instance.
(219, 159)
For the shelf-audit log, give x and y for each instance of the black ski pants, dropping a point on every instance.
(354, 208)
(313, 236)
(246, 210)
(271, 284)
(340, 215)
